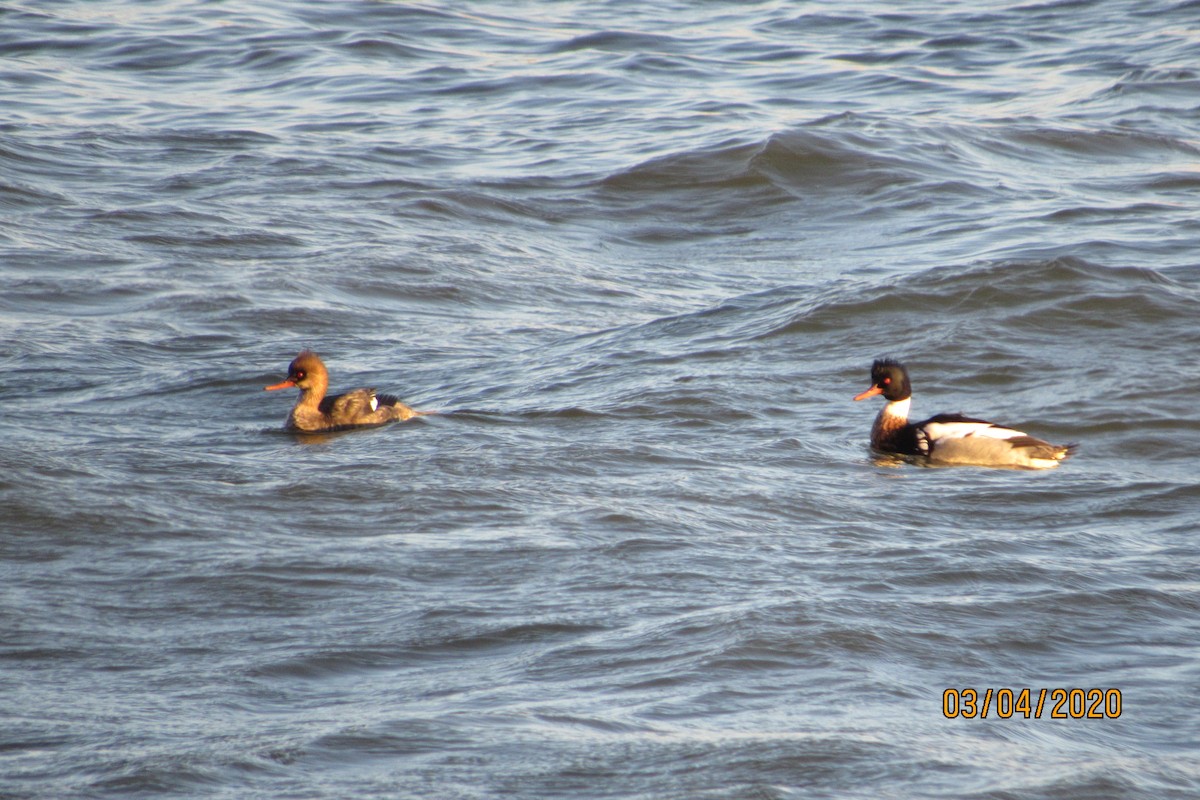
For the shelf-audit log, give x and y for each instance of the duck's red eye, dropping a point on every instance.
(300, 374)
(886, 381)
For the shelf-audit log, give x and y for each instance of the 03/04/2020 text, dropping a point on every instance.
(1026, 703)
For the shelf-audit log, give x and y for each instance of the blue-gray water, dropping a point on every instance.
(642, 255)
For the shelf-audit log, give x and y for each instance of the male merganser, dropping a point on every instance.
(949, 438)
(314, 412)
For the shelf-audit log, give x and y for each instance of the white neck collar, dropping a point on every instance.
(897, 408)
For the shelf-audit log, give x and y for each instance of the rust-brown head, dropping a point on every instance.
(306, 371)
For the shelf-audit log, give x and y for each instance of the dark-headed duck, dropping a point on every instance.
(949, 438)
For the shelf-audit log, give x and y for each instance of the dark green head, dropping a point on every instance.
(890, 379)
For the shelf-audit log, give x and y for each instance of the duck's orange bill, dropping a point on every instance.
(874, 390)
(287, 384)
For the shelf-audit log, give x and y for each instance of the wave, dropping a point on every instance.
(1024, 327)
(1059, 285)
(793, 162)
(1072, 290)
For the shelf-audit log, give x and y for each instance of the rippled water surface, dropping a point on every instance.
(640, 257)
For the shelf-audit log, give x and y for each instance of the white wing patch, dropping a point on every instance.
(958, 439)
(945, 435)
(961, 430)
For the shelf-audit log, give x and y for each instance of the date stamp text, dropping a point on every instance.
(1036, 703)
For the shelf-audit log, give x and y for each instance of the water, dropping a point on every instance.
(641, 257)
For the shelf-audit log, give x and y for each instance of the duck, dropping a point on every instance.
(316, 413)
(949, 438)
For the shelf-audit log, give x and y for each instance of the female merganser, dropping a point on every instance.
(314, 412)
(949, 438)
